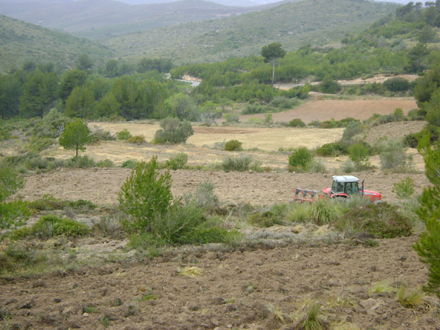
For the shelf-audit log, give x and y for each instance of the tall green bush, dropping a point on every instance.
(145, 194)
(300, 159)
(173, 131)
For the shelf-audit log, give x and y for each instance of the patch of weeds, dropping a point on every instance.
(89, 310)
(409, 298)
(371, 243)
(49, 203)
(229, 301)
(313, 320)
(380, 220)
(129, 163)
(251, 287)
(342, 301)
(50, 225)
(81, 162)
(148, 297)
(324, 211)
(104, 321)
(177, 162)
(105, 163)
(124, 135)
(381, 287)
(240, 163)
(139, 139)
(404, 189)
(264, 219)
(190, 271)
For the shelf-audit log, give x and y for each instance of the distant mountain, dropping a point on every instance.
(96, 19)
(315, 22)
(21, 42)
(236, 3)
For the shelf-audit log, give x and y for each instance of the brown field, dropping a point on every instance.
(265, 286)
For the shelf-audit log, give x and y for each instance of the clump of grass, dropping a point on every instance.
(105, 163)
(136, 139)
(190, 271)
(313, 320)
(381, 287)
(324, 211)
(409, 298)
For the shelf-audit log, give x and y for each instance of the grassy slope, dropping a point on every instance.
(313, 22)
(20, 42)
(104, 18)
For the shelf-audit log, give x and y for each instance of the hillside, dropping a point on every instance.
(293, 24)
(96, 19)
(21, 42)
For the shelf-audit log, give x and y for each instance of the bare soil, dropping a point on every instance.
(265, 286)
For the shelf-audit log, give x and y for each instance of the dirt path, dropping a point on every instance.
(253, 289)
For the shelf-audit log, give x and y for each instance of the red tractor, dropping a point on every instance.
(343, 186)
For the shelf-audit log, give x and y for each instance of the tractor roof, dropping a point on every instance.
(345, 178)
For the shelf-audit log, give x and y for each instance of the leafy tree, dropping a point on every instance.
(428, 246)
(111, 68)
(146, 194)
(416, 58)
(84, 63)
(80, 103)
(300, 159)
(39, 94)
(11, 89)
(181, 106)
(328, 85)
(75, 136)
(396, 84)
(108, 106)
(270, 53)
(70, 80)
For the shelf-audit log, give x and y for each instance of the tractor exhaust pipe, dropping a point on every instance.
(363, 187)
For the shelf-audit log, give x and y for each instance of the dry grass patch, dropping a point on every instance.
(190, 271)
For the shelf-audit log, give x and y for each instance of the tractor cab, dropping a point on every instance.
(345, 185)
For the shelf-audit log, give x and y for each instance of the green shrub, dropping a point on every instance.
(380, 220)
(411, 140)
(240, 163)
(296, 123)
(100, 135)
(233, 145)
(359, 154)
(116, 118)
(265, 219)
(333, 149)
(10, 182)
(416, 114)
(324, 211)
(105, 163)
(173, 131)
(49, 203)
(145, 195)
(40, 144)
(211, 235)
(136, 139)
(300, 159)
(394, 157)
(124, 134)
(282, 102)
(13, 214)
(81, 162)
(254, 109)
(404, 189)
(317, 166)
(348, 167)
(205, 196)
(353, 129)
(328, 85)
(177, 162)
(5, 134)
(129, 163)
(397, 84)
(232, 118)
(50, 225)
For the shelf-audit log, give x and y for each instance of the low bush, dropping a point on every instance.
(296, 123)
(324, 211)
(333, 149)
(404, 189)
(99, 134)
(300, 159)
(265, 219)
(81, 162)
(124, 135)
(240, 163)
(233, 145)
(177, 162)
(317, 166)
(380, 220)
(394, 157)
(40, 144)
(353, 129)
(411, 140)
(105, 163)
(359, 154)
(254, 109)
(136, 139)
(50, 225)
(131, 163)
(205, 197)
(397, 84)
(173, 131)
(232, 118)
(282, 102)
(49, 203)
(32, 162)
